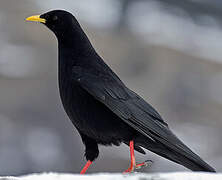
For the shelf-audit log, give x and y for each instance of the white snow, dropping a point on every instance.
(133, 176)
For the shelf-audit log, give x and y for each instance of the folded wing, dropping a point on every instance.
(132, 109)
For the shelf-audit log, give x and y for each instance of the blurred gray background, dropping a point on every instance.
(168, 51)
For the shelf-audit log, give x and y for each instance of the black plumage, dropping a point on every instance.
(101, 107)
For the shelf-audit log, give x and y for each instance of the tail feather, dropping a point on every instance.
(194, 163)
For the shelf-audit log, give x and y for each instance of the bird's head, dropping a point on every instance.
(58, 21)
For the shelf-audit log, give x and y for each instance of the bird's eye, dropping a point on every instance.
(55, 18)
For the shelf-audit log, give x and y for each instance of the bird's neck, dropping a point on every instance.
(76, 42)
(74, 49)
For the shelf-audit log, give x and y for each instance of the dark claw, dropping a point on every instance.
(146, 163)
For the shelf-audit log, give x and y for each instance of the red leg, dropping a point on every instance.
(132, 156)
(133, 164)
(86, 167)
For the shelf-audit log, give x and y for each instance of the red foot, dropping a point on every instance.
(137, 166)
(129, 170)
(144, 164)
(133, 164)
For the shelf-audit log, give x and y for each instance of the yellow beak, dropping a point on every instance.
(36, 19)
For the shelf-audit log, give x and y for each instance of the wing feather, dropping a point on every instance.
(130, 107)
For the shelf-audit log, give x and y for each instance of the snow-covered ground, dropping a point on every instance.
(107, 176)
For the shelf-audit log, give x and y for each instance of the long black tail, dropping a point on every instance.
(190, 161)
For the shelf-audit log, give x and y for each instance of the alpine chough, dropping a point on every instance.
(101, 107)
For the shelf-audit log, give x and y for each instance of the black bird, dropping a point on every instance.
(101, 107)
